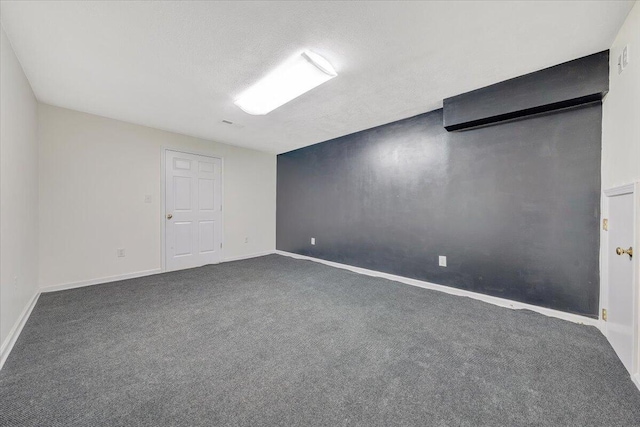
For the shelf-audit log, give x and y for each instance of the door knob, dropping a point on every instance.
(169, 216)
(621, 251)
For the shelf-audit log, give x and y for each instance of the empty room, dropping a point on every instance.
(319, 213)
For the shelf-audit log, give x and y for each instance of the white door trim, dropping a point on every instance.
(604, 267)
(163, 206)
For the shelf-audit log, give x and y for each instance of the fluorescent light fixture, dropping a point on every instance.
(293, 78)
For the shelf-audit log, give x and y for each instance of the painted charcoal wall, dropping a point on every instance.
(514, 206)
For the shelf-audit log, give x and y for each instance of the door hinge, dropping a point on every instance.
(220, 245)
(604, 314)
(605, 224)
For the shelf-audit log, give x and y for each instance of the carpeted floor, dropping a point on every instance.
(277, 341)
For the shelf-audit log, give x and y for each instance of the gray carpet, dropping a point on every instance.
(278, 341)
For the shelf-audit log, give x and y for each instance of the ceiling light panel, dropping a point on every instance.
(296, 76)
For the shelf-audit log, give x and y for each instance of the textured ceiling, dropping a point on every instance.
(179, 65)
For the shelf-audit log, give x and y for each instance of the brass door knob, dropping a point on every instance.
(621, 251)
(169, 216)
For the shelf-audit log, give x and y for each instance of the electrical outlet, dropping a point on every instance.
(120, 252)
(246, 240)
(620, 68)
(442, 261)
(313, 240)
(625, 57)
(147, 198)
(15, 281)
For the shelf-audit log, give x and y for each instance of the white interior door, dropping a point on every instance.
(193, 210)
(621, 310)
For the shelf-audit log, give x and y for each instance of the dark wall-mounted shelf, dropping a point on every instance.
(569, 84)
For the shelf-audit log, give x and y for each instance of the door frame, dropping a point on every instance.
(632, 189)
(163, 195)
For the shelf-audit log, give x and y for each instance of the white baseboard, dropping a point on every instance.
(82, 283)
(11, 339)
(255, 255)
(8, 343)
(636, 380)
(502, 302)
(99, 281)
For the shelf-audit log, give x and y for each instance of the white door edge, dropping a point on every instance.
(621, 190)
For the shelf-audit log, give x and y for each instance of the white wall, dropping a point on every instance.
(94, 174)
(18, 191)
(621, 110)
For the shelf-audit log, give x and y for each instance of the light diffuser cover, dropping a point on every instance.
(298, 75)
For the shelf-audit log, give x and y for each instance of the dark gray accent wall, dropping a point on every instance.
(569, 84)
(514, 207)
